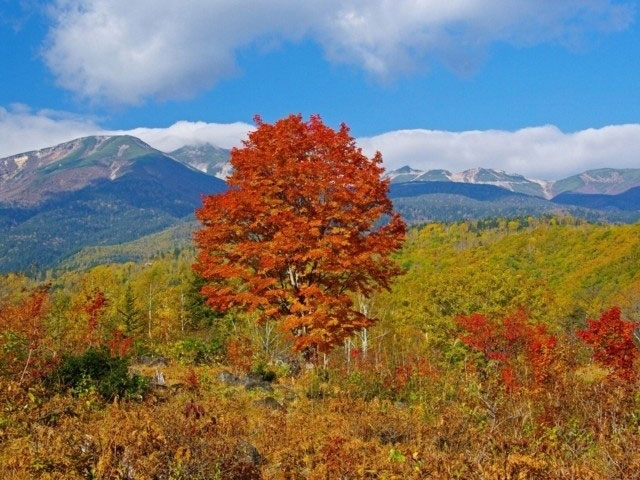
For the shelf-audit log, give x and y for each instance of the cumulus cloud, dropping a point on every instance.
(538, 152)
(125, 52)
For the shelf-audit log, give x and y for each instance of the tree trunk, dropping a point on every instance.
(149, 311)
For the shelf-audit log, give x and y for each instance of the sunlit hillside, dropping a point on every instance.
(194, 394)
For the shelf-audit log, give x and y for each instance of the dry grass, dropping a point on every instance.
(181, 433)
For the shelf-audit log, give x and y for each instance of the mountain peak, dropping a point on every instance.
(202, 148)
(206, 157)
(31, 177)
(610, 181)
(406, 169)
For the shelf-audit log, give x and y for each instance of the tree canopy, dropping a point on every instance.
(306, 224)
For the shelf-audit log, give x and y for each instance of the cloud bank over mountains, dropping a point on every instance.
(123, 52)
(23, 129)
(225, 135)
(538, 152)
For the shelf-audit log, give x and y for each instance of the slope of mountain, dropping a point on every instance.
(207, 158)
(178, 236)
(626, 201)
(33, 177)
(420, 202)
(513, 182)
(608, 181)
(480, 192)
(92, 191)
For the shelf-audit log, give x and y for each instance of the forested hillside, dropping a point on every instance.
(555, 268)
(483, 360)
(434, 201)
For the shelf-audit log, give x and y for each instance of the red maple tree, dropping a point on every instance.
(300, 231)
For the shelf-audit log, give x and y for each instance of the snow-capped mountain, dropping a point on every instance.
(32, 177)
(91, 191)
(207, 158)
(510, 181)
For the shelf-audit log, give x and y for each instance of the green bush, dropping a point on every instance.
(97, 369)
(266, 373)
(194, 351)
(367, 385)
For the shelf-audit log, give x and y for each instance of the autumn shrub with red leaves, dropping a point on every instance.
(23, 335)
(413, 372)
(119, 344)
(506, 340)
(240, 354)
(191, 380)
(611, 339)
(93, 307)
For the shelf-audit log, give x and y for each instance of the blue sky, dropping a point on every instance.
(479, 66)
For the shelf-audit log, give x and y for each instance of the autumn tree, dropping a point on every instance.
(505, 340)
(22, 334)
(93, 309)
(306, 224)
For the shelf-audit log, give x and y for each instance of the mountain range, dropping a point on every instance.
(82, 199)
(609, 181)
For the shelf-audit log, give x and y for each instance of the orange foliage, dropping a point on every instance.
(412, 369)
(611, 339)
(192, 409)
(296, 233)
(191, 380)
(240, 354)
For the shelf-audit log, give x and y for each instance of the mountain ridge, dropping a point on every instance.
(205, 157)
(596, 181)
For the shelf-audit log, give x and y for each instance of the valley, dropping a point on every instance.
(96, 193)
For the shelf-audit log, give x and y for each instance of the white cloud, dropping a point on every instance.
(121, 51)
(22, 129)
(225, 135)
(538, 152)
